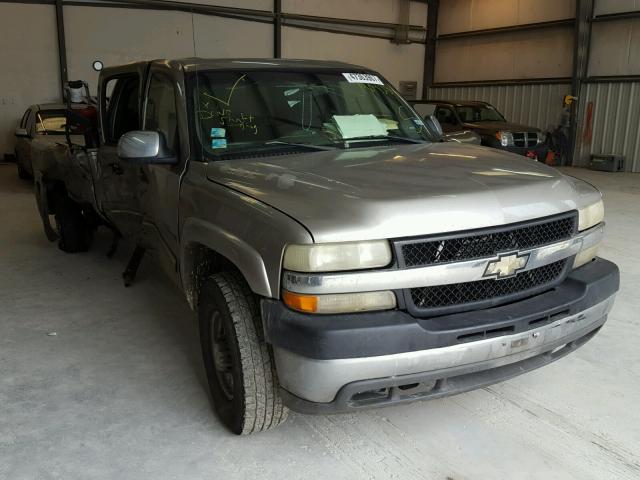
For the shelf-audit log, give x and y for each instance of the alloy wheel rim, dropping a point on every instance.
(221, 351)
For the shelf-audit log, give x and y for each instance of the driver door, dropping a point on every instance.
(118, 191)
(164, 112)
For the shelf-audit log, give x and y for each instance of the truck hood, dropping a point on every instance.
(412, 190)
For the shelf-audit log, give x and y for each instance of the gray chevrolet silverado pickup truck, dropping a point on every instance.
(336, 257)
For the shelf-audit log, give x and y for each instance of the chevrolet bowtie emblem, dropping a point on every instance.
(507, 265)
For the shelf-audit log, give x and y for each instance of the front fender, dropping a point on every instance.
(228, 245)
(245, 231)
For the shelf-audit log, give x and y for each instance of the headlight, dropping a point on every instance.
(333, 257)
(541, 137)
(591, 215)
(506, 139)
(340, 303)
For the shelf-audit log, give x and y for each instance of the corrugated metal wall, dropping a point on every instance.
(538, 105)
(615, 125)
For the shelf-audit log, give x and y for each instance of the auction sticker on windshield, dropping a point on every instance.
(362, 78)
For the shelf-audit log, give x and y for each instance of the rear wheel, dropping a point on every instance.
(74, 231)
(43, 208)
(22, 172)
(238, 362)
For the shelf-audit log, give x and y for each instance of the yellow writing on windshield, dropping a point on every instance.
(226, 118)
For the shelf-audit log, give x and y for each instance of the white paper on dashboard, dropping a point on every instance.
(352, 126)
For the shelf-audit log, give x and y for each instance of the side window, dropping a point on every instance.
(160, 112)
(121, 103)
(445, 116)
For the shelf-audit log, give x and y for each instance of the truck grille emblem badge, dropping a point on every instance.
(506, 265)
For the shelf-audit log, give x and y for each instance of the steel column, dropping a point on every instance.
(582, 47)
(277, 28)
(430, 47)
(62, 48)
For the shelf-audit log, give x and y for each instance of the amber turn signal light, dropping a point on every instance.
(301, 303)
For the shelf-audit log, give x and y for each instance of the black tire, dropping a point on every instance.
(240, 371)
(42, 202)
(22, 173)
(74, 232)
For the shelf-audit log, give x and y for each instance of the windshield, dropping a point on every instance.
(245, 111)
(479, 113)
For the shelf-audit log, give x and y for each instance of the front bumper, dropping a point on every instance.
(341, 362)
(519, 150)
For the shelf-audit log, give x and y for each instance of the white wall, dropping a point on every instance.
(116, 36)
(615, 48)
(368, 10)
(519, 55)
(29, 59)
(232, 38)
(464, 15)
(530, 54)
(604, 7)
(395, 62)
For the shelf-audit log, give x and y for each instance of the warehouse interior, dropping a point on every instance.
(101, 381)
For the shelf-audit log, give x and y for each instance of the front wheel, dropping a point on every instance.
(237, 360)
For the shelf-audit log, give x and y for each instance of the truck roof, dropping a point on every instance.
(456, 103)
(196, 63)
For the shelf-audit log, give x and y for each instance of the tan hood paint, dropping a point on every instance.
(391, 192)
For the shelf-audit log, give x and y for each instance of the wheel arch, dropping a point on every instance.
(208, 249)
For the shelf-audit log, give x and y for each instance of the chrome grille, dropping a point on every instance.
(486, 243)
(485, 290)
(525, 139)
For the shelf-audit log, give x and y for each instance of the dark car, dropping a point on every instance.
(41, 127)
(484, 119)
(426, 111)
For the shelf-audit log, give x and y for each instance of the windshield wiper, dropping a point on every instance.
(382, 138)
(274, 147)
(310, 146)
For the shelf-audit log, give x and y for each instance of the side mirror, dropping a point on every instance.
(145, 148)
(22, 133)
(434, 127)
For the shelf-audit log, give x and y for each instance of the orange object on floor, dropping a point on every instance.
(551, 158)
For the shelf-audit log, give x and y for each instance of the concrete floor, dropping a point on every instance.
(119, 392)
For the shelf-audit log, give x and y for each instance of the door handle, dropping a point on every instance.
(116, 168)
